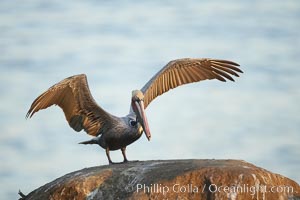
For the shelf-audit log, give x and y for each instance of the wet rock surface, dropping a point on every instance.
(171, 179)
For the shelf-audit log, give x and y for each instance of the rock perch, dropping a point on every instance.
(171, 179)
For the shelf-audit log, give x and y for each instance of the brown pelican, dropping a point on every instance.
(112, 133)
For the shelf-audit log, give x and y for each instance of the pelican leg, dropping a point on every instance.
(124, 154)
(108, 156)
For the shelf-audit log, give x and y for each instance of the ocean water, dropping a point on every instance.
(119, 45)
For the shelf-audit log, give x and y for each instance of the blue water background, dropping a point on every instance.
(120, 45)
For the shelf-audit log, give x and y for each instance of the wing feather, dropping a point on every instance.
(81, 111)
(225, 69)
(188, 70)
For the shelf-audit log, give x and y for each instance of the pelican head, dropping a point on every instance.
(137, 103)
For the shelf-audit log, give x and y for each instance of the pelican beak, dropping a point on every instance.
(141, 116)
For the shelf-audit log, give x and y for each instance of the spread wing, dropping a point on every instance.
(81, 111)
(188, 70)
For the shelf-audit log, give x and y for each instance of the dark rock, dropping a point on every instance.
(171, 179)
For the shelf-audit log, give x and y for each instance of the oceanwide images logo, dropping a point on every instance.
(213, 188)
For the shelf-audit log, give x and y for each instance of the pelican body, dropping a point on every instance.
(110, 132)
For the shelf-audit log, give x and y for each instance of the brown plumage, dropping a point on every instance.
(74, 97)
(188, 70)
(82, 112)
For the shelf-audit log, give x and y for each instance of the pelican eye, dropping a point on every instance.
(140, 100)
(132, 122)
